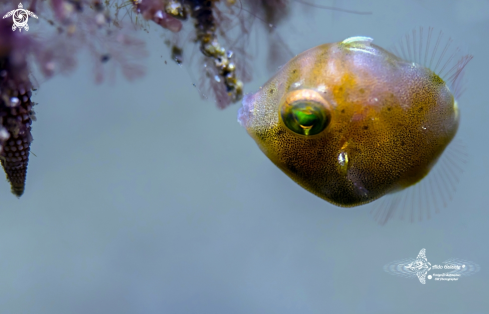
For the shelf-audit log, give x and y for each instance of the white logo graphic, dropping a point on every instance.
(20, 17)
(419, 267)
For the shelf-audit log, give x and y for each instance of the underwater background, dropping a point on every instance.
(144, 198)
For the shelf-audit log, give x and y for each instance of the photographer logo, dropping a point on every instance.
(419, 267)
(20, 18)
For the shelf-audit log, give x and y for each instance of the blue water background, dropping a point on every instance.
(143, 198)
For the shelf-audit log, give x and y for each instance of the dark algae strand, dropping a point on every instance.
(15, 107)
(15, 129)
(207, 19)
(202, 11)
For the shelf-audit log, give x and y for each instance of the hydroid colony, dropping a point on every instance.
(111, 31)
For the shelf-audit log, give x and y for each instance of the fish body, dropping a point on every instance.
(351, 122)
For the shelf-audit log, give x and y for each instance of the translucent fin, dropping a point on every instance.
(446, 61)
(420, 201)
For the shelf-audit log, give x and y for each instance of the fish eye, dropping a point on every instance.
(305, 112)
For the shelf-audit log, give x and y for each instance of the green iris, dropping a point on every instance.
(305, 117)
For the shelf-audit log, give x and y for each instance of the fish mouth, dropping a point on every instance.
(245, 112)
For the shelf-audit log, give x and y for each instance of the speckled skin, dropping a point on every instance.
(390, 121)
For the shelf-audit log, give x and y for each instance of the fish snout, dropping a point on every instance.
(245, 113)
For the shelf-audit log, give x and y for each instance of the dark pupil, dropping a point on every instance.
(306, 118)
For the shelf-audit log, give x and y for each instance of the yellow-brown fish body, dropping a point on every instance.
(350, 121)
